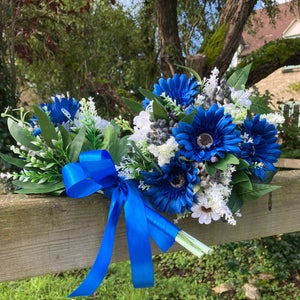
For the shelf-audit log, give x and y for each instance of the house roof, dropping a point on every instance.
(266, 31)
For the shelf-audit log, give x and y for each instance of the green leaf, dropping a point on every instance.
(239, 176)
(141, 155)
(193, 72)
(258, 191)
(239, 78)
(58, 192)
(36, 188)
(13, 160)
(159, 111)
(269, 177)
(229, 159)
(151, 96)
(258, 106)
(87, 146)
(135, 106)
(123, 149)
(235, 202)
(76, 145)
(66, 137)
(246, 185)
(242, 164)
(189, 118)
(111, 143)
(210, 169)
(20, 135)
(48, 131)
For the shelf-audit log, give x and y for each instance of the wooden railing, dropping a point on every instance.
(40, 234)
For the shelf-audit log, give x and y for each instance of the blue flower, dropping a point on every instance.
(259, 147)
(180, 89)
(60, 112)
(172, 189)
(211, 134)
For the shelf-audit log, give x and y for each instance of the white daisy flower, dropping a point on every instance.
(204, 213)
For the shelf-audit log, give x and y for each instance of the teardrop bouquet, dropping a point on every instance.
(195, 150)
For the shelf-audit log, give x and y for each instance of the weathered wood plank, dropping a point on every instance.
(40, 235)
(288, 163)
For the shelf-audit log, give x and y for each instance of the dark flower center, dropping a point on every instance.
(204, 140)
(253, 151)
(177, 181)
(206, 210)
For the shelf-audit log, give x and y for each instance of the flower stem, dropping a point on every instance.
(192, 244)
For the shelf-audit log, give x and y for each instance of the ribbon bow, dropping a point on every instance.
(96, 171)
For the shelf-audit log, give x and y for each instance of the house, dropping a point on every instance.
(284, 83)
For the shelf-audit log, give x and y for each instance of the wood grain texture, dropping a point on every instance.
(41, 235)
(288, 163)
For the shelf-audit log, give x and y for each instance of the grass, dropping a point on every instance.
(183, 276)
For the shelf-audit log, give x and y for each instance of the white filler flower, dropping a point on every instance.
(165, 151)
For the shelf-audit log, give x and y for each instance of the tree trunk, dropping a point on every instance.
(170, 53)
(234, 15)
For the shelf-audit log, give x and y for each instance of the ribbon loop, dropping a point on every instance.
(96, 171)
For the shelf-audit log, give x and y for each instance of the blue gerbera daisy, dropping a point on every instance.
(211, 134)
(172, 189)
(180, 89)
(60, 112)
(259, 147)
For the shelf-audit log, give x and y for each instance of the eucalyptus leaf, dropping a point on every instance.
(13, 160)
(135, 106)
(48, 131)
(21, 135)
(76, 145)
(239, 78)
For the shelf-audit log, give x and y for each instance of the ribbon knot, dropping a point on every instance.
(96, 171)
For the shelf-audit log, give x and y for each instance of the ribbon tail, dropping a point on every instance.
(162, 231)
(100, 266)
(138, 240)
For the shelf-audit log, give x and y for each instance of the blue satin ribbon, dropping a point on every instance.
(96, 171)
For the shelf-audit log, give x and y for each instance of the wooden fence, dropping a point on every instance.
(41, 235)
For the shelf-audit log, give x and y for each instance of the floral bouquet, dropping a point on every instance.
(194, 150)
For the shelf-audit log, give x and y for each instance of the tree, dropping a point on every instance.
(170, 49)
(24, 24)
(105, 50)
(224, 31)
(107, 53)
